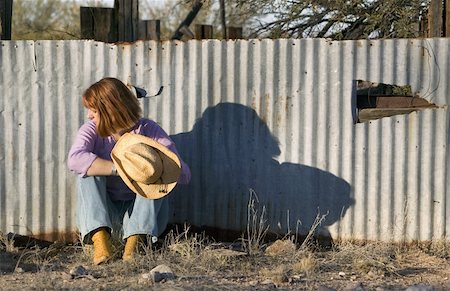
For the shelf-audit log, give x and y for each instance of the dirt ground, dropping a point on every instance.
(199, 264)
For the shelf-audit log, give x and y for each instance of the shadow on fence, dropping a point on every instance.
(231, 150)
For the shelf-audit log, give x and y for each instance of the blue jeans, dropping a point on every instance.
(95, 209)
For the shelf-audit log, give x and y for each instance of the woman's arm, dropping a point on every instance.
(101, 167)
(82, 159)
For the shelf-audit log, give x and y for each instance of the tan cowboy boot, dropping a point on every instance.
(102, 246)
(131, 247)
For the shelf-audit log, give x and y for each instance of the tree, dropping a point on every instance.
(45, 19)
(335, 19)
(339, 19)
(173, 12)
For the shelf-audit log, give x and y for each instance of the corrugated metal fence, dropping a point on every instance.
(270, 116)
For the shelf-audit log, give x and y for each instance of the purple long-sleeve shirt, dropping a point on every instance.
(88, 145)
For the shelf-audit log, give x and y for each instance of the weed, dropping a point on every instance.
(278, 274)
(186, 245)
(439, 248)
(257, 227)
(317, 222)
(307, 264)
(7, 244)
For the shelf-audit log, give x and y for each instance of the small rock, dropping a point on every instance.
(66, 276)
(78, 271)
(420, 287)
(161, 272)
(268, 283)
(341, 274)
(358, 286)
(19, 270)
(253, 283)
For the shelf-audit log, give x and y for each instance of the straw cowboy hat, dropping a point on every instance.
(147, 167)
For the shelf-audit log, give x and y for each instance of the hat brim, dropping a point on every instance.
(171, 167)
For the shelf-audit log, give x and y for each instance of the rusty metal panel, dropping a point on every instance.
(271, 116)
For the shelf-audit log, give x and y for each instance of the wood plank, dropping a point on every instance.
(149, 30)
(5, 19)
(234, 32)
(374, 101)
(435, 19)
(376, 113)
(188, 20)
(203, 31)
(187, 33)
(87, 22)
(447, 18)
(98, 23)
(127, 13)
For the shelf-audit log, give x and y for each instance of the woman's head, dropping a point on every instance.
(113, 105)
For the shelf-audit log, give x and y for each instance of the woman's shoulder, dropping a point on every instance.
(148, 122)
(150, 128)
(88, 126)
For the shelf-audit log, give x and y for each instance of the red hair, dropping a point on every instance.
(117, 107)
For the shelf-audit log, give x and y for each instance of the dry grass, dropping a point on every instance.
(306, 264)
(194, 257)
(257, 227)
(7, 244)
(200, 261)
(439, 248)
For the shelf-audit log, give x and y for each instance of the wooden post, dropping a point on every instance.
(5, 19)
(223, 19)
(87, 22)
(188, 20)
(187, 33)
(203, 31)
(435, 19)
(127, 13)
(98, 23)
(234, 32)
(447, 18)
(149, 30)
(423, 26)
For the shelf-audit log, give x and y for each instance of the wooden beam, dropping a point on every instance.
(5, 19)
(87, 22)
(447, 18)
(203, 31)
(127, 13)
(98, 23)
(423, 26)
(435, 19)
(223, 19)
(149, 30)
(187, 33)
(188, 20)
(234, 32)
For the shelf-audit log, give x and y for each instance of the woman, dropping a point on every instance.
(103, 197)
